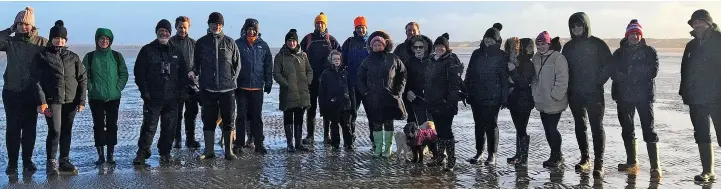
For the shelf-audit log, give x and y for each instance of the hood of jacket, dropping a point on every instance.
(425, 39)
(583, 17)
(384, 35)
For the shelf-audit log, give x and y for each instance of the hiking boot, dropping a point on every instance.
(166, 159)
(67, 166)
(598, 168)
(51, 167)
(584, 163)
(554, 161)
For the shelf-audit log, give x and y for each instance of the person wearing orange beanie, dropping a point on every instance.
(354, 52)
(318, 45)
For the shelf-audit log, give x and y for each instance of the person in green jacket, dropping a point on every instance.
(107, 76)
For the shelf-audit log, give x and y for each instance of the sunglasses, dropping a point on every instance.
(576, 25)
(418, 47)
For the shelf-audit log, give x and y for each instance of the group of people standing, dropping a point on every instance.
(422, 80)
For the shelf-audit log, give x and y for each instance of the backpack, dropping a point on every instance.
(309, 39)
(116, 55)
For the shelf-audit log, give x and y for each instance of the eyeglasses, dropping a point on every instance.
(418, 47)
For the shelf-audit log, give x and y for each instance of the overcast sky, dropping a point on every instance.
(134, 22)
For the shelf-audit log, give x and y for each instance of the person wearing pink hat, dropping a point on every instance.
(634, 67)
(549, 89)
(19, 90)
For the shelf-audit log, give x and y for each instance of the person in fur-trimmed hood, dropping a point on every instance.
(588, 56)
(61, 87)
(441, 86)
(418, 49)
(381, 80)
(701, 86)
(487, 84)
(520, 99)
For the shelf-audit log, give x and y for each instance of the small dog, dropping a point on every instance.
(416, 141)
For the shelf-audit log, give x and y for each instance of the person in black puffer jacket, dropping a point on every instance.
(217, 61)
(335, 98)
(588, 57)
(186, 45)
(487, 85)
(317, 46)
(381, 80)
(441, 87)
(161, 75)
(418, 49)
(635, 66)
(520, 99)
(62, 84)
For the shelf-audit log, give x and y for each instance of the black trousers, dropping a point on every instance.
(626, 112)
(550, 126)
(21, 116)
(443, 124)
(341, 121)
(60, 128)
(386, 125)
(486, 119)
(593, 114)
(293, 116)
(312, 110)
(189, 115)
(214, 103)
(250, 107)
(105, 121)
(520, 121)
(700, 119)
(167, 113)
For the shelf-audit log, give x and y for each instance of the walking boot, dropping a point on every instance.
(523, 154)
(289, 137)
(209, 138)
(166, 159)
(653, 159)
(139, 159)
(29, 167)
(598, 168)
(228, 146)
(298, 135)
(101, 155)
(378, 140)
(631, 165)
(451, 153)
(109, 154)
(67, 166)
(555, 161)
(514, 160)
(706, 153)
(584, 163)
(51, 167)
(388, 141)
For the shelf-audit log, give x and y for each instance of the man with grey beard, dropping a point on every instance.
(160, 73)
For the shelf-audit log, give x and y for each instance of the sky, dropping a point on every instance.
(133, 23)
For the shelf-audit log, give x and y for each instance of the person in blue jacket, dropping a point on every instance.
(354, 52)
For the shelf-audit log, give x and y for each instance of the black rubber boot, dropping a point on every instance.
(228, 146)
(101, 155)
(653, 159)
(706, 153)
(109, 155)
(289, 137)
(451, 153)
(631, 165)
(441, 145)
(209, 138)
(523, 155)
(298, 135)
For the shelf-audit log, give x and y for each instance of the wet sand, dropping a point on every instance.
(331, 169)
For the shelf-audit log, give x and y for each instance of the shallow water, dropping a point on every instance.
(326, 169)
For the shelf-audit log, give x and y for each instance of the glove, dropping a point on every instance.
(411, 96)
(267, 89)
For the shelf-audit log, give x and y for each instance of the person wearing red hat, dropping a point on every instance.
(318, 45)
(701, 86)
(353, 52)
(549, 88)
(634, 67)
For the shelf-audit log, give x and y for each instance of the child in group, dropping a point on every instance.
(336, 100)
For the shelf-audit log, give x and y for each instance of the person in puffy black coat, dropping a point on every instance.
(441, 93)
(61, 87)
(520, 99)
(381, 80)
(487, 85)
(418, 50)
(161, 75)
(336, 100)
(635, 66)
